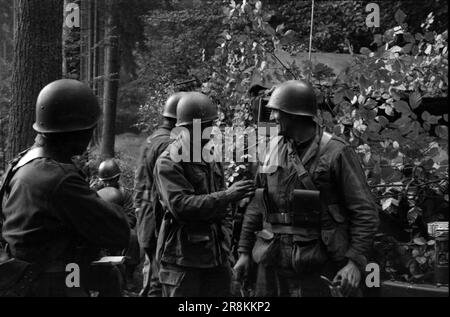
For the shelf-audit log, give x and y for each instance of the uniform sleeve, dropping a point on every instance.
(253, 220)
(129, 209)
(227, 222)
(140, 178)
(101, 223)
(178, 195)
(360, 205)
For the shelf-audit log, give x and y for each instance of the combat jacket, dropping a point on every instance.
(191, 194)
(348, 215)
(147, 222)
(50, 211)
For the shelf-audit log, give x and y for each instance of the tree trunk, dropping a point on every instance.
(111, 79)
(37, 62)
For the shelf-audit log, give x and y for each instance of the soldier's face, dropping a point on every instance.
(285, 122)
(298, 127)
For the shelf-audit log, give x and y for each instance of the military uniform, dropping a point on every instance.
(147, 207)
(345, 222)
(50, 215)
(193, 245)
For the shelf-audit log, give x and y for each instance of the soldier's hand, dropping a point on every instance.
(349, 277)
(240, 190)
(242, 266)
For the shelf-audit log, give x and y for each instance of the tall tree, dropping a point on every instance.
(37, 62)
(111, 78)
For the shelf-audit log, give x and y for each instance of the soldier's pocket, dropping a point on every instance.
(171, 277)
(335, 237)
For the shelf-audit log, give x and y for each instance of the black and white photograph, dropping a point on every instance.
(227, 153)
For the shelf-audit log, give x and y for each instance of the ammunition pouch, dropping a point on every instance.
(306, 208)
(305, 214)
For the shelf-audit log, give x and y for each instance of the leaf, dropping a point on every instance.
(377, 39)
(421, 260)
(429, 118)
(402, 106)
(413, 214)
(429, 36)
(419, 241)
(442, 132)
(388, 202)
(407, 48)
(415, 99)
(408, 37)
(363, 83)
(400, 16)
(383, 121)
(280, 28)
(365, 51)
(419, 37)
(395, 49)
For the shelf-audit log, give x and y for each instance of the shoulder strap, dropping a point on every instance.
(22, 159)
(304, 175)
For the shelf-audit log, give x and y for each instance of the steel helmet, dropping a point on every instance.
(296, 97)
(108, 170)
(170, 108)
(66, 105)
(195, 105)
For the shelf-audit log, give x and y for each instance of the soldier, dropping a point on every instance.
(313, 211)
(147, 208)
(50, 213)
(109, 175)
(194, 239)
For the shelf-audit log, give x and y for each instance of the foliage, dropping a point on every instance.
(180, 42)
(409, 262)
(379, 105)
(340, 26)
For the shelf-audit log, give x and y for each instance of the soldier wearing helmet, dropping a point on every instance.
(313, 212)
(194, 241)
(147, 208)
(50, 213)
(111, 189)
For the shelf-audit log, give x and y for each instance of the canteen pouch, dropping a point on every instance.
(310, 257)
(265, 248)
